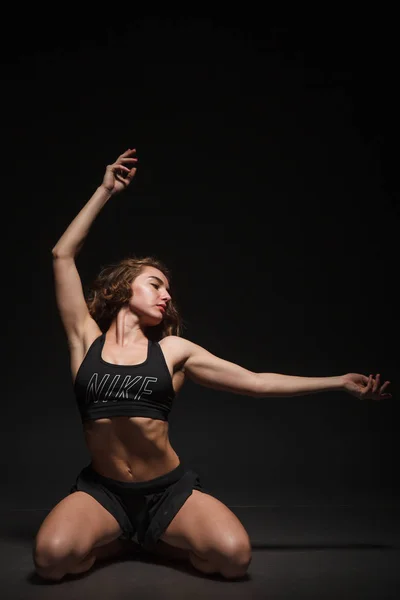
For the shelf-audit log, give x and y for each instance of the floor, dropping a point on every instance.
(322, 552)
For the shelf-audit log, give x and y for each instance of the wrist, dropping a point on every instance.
(341, 383)
(107, 192)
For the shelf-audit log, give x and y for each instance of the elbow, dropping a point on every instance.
(263, 387)
(258, 388)
(56, 253)
(60, 253)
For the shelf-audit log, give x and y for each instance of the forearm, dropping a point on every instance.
(72, 239)
(275, 384)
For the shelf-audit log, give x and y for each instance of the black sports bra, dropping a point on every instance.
(103, 389)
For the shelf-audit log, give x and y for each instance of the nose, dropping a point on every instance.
(166, 297)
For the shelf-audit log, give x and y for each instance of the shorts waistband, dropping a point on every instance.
(150, 486)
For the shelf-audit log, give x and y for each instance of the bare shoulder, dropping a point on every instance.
(177, 349)
(175, 343)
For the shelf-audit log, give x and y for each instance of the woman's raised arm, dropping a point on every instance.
(70, 298)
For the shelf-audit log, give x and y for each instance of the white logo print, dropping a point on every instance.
(97, 389)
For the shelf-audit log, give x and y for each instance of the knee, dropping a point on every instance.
(52, 558)
(235, 559)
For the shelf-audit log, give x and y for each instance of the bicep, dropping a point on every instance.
(209, 370)
(70, 298)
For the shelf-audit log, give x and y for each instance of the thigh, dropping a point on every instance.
(205, 525)
(76, 524)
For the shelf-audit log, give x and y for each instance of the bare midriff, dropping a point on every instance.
(130, 449)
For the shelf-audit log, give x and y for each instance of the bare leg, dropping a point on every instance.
(107, 551)
(123, 547)
(175, 553)
(203, 565)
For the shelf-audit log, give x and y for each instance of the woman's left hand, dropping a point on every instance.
(364, 387)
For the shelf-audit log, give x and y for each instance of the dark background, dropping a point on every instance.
(267, 183)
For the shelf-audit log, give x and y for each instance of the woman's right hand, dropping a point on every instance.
(119, 175)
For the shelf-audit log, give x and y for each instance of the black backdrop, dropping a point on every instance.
(267, 184)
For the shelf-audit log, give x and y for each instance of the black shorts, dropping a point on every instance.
(143, 509)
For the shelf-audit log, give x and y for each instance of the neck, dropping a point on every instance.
(125, 329)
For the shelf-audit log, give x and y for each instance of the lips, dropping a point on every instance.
(162, 306)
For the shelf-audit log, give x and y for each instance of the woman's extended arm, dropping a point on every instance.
(209, 370)
(69, 293)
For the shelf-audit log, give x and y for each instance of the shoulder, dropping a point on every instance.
(174, 342)
(178, 347)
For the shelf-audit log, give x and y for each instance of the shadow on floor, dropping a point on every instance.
(137, 556)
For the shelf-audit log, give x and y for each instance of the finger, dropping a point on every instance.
(384, 386)
(368, 387)
(116, 167)
(124, 180)
(127, 152)
(126, 176)
(129, 176)
(370, 382)
(127, 159)
(376, 382)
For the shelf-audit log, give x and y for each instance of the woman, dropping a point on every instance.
(127, 362)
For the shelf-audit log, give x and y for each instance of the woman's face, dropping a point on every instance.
(150, 296)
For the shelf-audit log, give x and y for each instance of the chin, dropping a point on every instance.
(152, 321)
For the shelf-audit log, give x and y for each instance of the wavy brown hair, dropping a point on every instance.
(111, 290)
